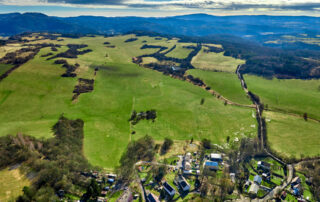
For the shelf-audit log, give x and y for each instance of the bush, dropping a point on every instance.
(166, 146)
(206, 143)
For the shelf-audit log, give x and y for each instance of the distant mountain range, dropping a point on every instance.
(253, 27)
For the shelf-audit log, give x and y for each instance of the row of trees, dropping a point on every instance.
(72, 52)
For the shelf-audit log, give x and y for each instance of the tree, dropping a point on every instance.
(93, 190)
(166, 145)
(206, 143)
(159, 172)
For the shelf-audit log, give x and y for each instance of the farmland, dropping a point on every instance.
(301, 137)
(35, 95)
(226, 84)
(215, 61)
(295, 96)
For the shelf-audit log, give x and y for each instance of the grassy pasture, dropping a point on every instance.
(33, 97)
(226, 84)
(12, 182)
(293, 136)
(180, 51)
(4, 68)
(296, 96)
(215, 61)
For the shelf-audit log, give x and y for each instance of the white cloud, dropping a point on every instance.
(250, 6)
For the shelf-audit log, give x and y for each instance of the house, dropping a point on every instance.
(295, 181)
(187, 172)
(257, 179)
(233, 177)
(110, 180)
(263, 165)
(152, 198)
(254, 189)
(188, 156)
(101, 199)
(103, 193)
(169, 189)
(106, 188)
(212, 165)
(112, 176)
(266, 176)
(174, 68)
(183, 184)
(215, 157)
(187, 166)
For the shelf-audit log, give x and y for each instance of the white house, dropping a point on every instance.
(169, 189)
(215, 157)
(184, 185)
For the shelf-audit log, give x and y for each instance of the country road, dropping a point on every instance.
(261, 137)
(256, 103)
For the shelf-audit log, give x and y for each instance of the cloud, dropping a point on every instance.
(199, 5)
(86, 2)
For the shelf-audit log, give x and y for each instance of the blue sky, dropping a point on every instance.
(162, 7)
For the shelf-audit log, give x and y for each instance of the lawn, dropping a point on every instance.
(215, 61)
(226, 84)
(12, 183)
(35, 95)
(300, 137)
(295, 96)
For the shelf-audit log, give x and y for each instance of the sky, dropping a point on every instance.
(161, 8)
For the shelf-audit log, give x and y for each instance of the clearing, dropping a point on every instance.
(215, 61)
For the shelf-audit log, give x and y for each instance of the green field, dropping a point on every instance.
(4, 68)
(226, 84)
(293, 136)
(35, 95)
(215, 61)
(295, 96)
(12, 182)
(180, 51)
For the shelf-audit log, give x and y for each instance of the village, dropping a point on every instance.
(196, 174)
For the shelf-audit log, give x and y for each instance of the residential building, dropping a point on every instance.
(215, 157)
(263, 165)
(254, 188)
(257, 179)
(295, 181)
(184, 185)
(212, 165)
(169, 189)
(152, 198)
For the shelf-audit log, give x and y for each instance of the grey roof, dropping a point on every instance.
(257, 179)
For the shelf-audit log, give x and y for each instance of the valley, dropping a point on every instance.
(134, 90)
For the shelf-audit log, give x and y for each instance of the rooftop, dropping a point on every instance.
(168, 186)
(215, 156)
(212, 163)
